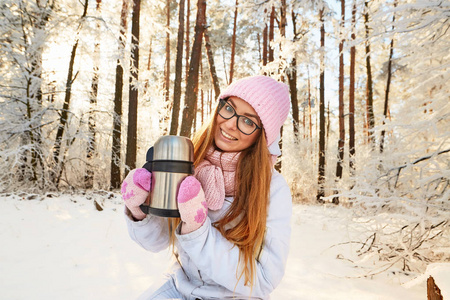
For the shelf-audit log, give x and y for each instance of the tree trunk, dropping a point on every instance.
(65, 110)
(351, 116)
(293, 83)
(130, 159)
(89, 176)
(258, 39)
(328, 125)
(282, 26)
(233, 43)
(321, 173)
(309, 106)
(369, 92)
(388, 84)
(167, 62)
(34, 92)
(191, 88)
(149, 63)
(178, 72)
(271, 32)
(202, 107)
(283, 21)
(265, 43)
(304, 122)
(327, 135)
(341, 141)
(115, 179)
(212, 66)
(200, 97)
(167, 104)
(294, 100)
(433, 291)
(188, 28)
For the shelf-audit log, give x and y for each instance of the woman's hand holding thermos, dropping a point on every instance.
(191, 198)
(191, 204)
(135, 189)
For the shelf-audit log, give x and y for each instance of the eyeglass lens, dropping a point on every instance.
(244, 124)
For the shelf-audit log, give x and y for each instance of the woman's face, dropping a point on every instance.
(227, 136)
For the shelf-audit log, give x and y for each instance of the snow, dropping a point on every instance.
(62, 247)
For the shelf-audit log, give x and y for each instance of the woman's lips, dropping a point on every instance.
(227, 136)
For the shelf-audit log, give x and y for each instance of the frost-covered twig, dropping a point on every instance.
(399, 169)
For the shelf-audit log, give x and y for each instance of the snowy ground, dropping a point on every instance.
(61, 247)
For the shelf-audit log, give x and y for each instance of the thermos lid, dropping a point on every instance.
(173, 147)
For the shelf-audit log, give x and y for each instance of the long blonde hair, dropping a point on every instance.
(250, 205)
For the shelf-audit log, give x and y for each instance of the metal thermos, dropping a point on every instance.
(170, 160)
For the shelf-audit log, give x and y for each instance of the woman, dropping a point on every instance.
(233, 237)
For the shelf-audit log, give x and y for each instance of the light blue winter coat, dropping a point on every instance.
(207, 261)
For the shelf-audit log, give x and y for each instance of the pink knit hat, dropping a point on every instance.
(268, 97)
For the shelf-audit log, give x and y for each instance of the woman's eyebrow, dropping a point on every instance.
(232, 103)
(245, 114)
(251, 115)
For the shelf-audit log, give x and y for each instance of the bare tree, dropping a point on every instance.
(282, 25)
(150, 50)
(130, 159)
(191, 88)
(388, 83)
(89, 176)
(309, 106)
(369, 90)
(117, 117)
(321, 173)
(65, 109)
(265, 42)
(292, 78)
(328, 123)
(167, 103)
(188, 28)
(212, 66)
(341, 141)
(32, 46)
(351, 117)
(233, 42)
(178, 72)
(271, 32)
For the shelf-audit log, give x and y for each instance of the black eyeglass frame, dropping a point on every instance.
(222, 103)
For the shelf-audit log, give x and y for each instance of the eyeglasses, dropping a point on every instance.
(244, 124)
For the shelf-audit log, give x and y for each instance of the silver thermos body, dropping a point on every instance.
(170, 160)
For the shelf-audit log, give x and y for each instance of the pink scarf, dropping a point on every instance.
(217, 175)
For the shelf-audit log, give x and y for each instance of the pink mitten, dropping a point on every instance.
(213, 182)
(135, 190)
(191, 204)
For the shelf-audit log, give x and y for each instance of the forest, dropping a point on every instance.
(86, 87)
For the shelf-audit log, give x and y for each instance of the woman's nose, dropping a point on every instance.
(231, 123)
